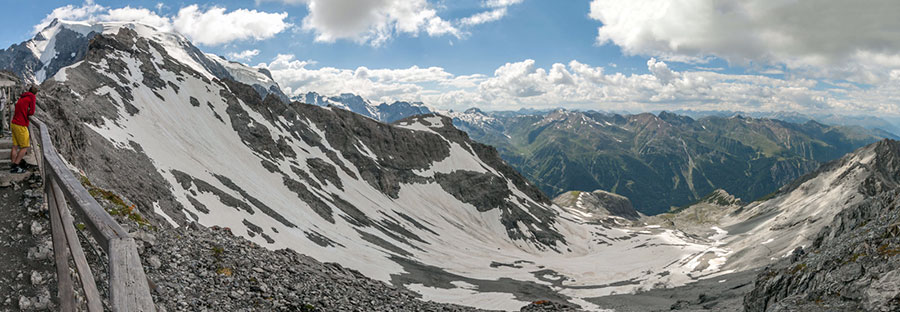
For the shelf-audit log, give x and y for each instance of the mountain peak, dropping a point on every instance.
(474, 110)
(722, 198)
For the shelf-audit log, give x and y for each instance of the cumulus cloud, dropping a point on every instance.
(373, 22)
(245, 55)
(578, 85)
(70, 12)
(296, 77)
(140, 15)
(823, 38)
(213, 26)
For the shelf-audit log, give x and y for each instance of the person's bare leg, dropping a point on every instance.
(13, 153)
(20, 155)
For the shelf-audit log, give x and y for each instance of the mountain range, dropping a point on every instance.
(427, 203)
(659, 161)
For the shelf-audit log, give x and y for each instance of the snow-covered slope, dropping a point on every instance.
(772, 229)
(416, 204)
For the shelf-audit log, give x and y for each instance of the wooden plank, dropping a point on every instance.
(129, 290)
(105, 228)
(128, 284)
(88, 285)
(65, 286)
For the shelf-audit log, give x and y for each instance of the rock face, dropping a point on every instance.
(211, 269)
(659, 161)
(598, 203)
(853, 263)
(702, 218)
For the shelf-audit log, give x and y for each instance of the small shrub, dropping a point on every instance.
(225, 271)
(887, 251)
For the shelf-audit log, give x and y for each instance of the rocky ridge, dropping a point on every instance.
(598, 204)
(854, 262)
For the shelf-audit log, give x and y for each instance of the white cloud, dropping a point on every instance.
(377, 21)
(578, 85)
(373, 22)
(501, 3)
(817, 38)
(661, 71)
(484, 17)
(140, 15)
(245, 55)
(295, 77)
(70, 12)
(213, 26)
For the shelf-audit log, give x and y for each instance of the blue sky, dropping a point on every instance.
(546, 31)
(755, 55)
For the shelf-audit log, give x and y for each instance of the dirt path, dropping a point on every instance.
(27, 271)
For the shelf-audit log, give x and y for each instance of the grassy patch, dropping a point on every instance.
(798, 268)
(225, 271)
(855, 257)
(887, 251)
(118, 207)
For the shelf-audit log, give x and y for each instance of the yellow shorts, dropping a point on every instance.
(20, 136)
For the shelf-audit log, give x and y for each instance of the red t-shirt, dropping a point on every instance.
(24, 108)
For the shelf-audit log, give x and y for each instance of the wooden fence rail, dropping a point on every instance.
(128, 285)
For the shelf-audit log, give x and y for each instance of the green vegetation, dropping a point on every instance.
(664, 161)
(117, 206)
(217, 253)
(887, 251)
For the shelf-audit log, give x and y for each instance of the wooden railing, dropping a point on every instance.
(128, 285)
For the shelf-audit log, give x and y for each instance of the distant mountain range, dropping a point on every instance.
(660, 161)
(876, 124)
(382, 112)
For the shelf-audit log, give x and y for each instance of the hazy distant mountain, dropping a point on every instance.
(383, 112)
(662, 161)
(877, 124)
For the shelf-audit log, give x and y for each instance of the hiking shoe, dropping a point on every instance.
(24, 165)
(17, 170)
(12, 166)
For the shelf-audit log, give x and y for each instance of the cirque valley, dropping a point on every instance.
(485, 210)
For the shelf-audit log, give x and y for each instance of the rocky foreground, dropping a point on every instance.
(209, 269)
(27, 273)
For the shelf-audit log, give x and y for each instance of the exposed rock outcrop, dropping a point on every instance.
(598, 203)
(854, 262)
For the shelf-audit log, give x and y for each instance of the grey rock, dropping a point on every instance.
(884, 294)
(36, 228)
(600, 203)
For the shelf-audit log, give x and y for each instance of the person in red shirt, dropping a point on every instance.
(25, 107)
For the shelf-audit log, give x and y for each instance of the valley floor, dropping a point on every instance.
(721, 293)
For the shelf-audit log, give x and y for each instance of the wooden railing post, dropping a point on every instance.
(61, 253)
(128, 284)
